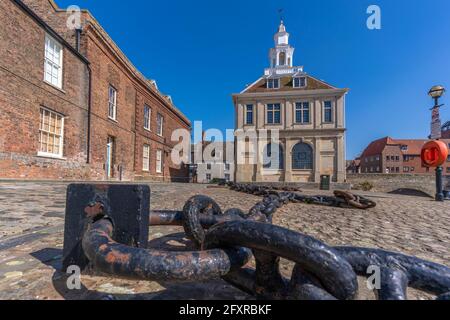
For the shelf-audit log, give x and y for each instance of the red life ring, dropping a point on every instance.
(434, 153)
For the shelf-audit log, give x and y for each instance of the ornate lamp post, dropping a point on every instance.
(437, 92)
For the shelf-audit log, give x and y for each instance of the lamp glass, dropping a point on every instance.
(437, 92)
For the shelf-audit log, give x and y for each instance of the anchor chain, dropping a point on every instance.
(226, 241)
(343, 199)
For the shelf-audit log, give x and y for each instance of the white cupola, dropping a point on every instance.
(282, 55)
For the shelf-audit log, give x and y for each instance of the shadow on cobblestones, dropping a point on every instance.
(217, 290)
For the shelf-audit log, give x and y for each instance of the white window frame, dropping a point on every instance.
(159, 163)
(146, 158)
(160, 124)
(112, 104)
(249, 109)
(53, 63)
(331, 111)
(273, 83)
(274, 106)
(61, 136)
(147, 121)
(301, 107)
(300, 82)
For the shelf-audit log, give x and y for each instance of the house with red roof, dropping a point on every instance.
(397, 156)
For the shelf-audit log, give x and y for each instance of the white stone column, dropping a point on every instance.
(259, 163)
(317, 114)
(240, 116)
(340, 161)
(288, 160)
(317, 159)
(288, 121)
(261, 120)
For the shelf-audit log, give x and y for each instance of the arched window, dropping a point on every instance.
(302, 157)
(273, 157)
(282, 58)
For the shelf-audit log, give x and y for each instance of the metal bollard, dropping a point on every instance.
(127, 206)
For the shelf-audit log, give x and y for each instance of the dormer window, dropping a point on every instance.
(404, 148)
(273, 83)
(300, 82)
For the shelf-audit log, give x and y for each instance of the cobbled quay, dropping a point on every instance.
(32, 227)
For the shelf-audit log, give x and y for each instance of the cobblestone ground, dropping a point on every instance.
(31, 239)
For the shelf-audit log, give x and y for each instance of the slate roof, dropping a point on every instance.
(286, 84)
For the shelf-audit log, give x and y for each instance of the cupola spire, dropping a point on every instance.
(282, 55)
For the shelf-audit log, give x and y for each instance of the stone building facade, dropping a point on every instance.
(75, 94)
(307, 113)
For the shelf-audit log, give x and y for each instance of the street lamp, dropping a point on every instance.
(437, 92)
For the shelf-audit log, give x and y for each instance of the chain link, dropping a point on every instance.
(224, 241)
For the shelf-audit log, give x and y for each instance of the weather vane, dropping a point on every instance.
(280, 12)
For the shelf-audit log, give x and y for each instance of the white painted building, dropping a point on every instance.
(308, 113)
(217, 162)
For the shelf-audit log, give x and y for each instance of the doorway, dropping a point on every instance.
(110, 147)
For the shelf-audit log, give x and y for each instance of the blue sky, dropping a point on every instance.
(202, 51)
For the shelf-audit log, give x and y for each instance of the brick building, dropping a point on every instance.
(73, 105)
(446, 130)
(393, 156)
(354, 166)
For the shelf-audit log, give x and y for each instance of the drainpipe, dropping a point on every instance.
(78, 38)
(78, 32)
(88, 158)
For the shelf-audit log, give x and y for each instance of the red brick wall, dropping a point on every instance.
(23, 92)
(56, 19)
(105, 72)
(128, 131)
(171, 172)
(392, 151)
(446, 134)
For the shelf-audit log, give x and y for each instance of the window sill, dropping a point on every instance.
(148, 130)
(273, 172)
(113, 120)
(54, 87)
(50, 156)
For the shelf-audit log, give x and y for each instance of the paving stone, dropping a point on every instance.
(31, 239)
